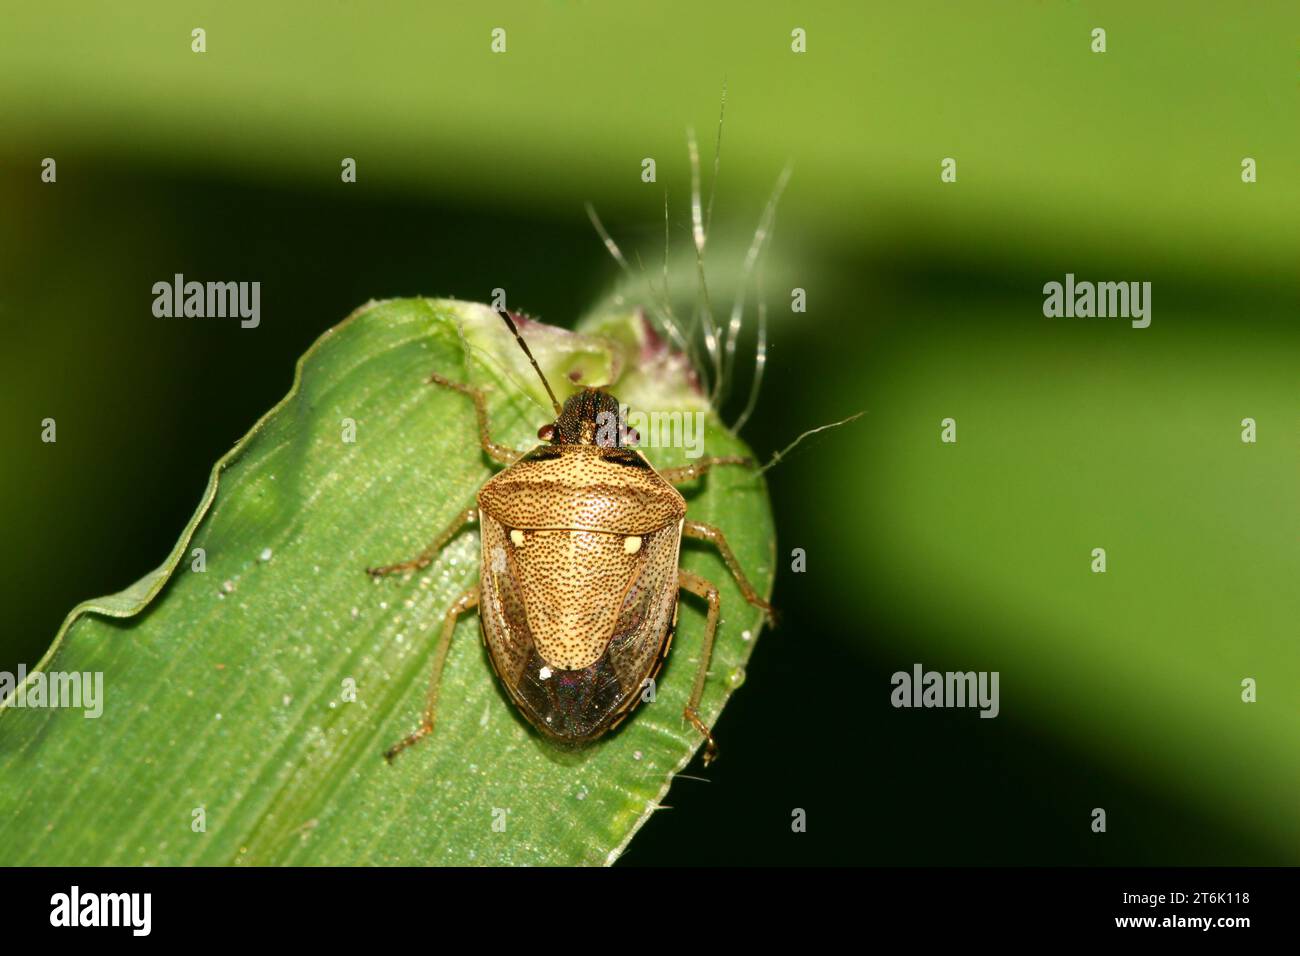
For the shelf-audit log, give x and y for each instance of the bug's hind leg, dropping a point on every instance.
(675, 476)
(425, 558)
(501, 454)
(702, 587)
(466, 602)
(707, 532)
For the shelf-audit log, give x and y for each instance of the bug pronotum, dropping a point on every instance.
(578, 572)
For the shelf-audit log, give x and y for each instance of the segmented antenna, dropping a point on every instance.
(514, 330)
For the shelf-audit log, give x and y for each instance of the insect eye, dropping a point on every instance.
(546, 432)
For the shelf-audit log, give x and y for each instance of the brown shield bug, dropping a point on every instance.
(578, 572)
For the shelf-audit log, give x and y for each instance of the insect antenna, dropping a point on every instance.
(514, 329)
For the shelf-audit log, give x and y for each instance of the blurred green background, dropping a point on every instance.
(1118, 691)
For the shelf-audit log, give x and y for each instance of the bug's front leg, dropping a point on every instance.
(675, 476)
(501, 454)
(707, 532)
(467, 601)
(425, 558)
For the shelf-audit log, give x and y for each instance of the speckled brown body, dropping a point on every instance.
(578, 583)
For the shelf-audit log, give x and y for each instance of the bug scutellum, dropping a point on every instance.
(578, 575)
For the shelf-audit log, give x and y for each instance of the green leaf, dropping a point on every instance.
(225, 689)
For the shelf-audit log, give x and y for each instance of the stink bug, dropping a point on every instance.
(578, 570)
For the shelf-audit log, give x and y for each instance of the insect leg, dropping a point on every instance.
(707, 532)
(689, 581)
(501, 454)
(425, 557)
(675, 476)
(466, 602)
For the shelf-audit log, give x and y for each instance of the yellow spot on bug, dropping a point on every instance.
(517, 537)
(632, 544)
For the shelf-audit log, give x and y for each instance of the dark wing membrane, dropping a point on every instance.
(580, 704)
(571, 705)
